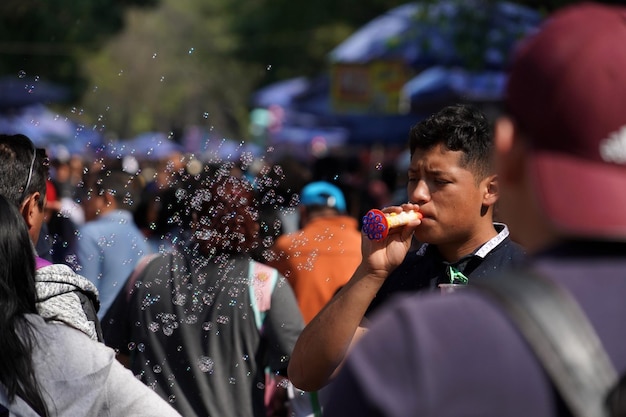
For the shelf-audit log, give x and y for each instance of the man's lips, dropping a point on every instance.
(426, 217)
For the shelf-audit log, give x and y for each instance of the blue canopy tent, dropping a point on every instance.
(309, 114)
(442, 33)
(17, 92)
(145, 146)
(60, 135)
(437, 85)
(281, 93)
(437, 41)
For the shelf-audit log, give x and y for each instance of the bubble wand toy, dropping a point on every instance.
(376, 224)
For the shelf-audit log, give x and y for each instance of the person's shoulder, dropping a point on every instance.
(285, 240)
(157, 264)
(510, 250)
(66, 351)
(63, 274)
(442, 323)
(55, 269)
(91, 228)
(461, 343)
(346, 221)
(502, 249)
(433, 303)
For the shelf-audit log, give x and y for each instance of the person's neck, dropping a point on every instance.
(108, 209)
(320, 214)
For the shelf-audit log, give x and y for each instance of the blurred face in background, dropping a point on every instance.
(94, 200)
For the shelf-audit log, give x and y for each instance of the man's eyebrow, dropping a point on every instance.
(430, 171)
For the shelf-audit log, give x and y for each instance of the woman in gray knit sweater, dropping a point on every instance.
(49, 368)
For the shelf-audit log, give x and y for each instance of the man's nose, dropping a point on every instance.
(420, 194)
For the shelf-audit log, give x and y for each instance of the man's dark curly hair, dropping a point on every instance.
(459, 127)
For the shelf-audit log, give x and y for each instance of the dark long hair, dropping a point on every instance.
(17, 298)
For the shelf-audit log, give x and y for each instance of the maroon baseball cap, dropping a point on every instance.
(567, 93)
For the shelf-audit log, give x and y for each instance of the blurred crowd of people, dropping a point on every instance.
(161, 251)
(245, 288)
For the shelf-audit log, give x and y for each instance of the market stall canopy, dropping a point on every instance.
(18, 92)
(59, 134)
(451, 33)
(440, 84)
(145, 146)
(281, 93)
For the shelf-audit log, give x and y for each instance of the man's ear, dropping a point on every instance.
(491, 190)
(31, 209)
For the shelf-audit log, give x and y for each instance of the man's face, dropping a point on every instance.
(449, 196)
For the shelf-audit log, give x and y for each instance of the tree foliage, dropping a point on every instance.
(295, 37)
(138, 65)
(48, 38)
(172, 67)
(192, 62)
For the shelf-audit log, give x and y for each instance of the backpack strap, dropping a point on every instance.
(562, 337)
(263, 279)
(137, 271)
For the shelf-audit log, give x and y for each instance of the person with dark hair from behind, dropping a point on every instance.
(451, 181)
(62, 294)
(203, 323)
(161, 214)
(109, 245)
(561, 160)
(47, 368)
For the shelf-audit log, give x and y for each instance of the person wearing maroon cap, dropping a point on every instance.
(561, 162)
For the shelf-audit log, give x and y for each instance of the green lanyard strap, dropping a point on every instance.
(456, 276)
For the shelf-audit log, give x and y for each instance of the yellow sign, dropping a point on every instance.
(373, 87)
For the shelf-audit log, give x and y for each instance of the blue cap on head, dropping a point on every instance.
(323, 193)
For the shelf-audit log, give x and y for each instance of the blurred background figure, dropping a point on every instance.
(162, 216)
(62, 294)
(109, 244)
(203, 323)
(58, 231)
(321, 257)
(278, 185)
(47, 368)
(318, 259)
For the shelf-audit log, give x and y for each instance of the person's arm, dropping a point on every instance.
(325, 341)
(282, 326)
(129, 396)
